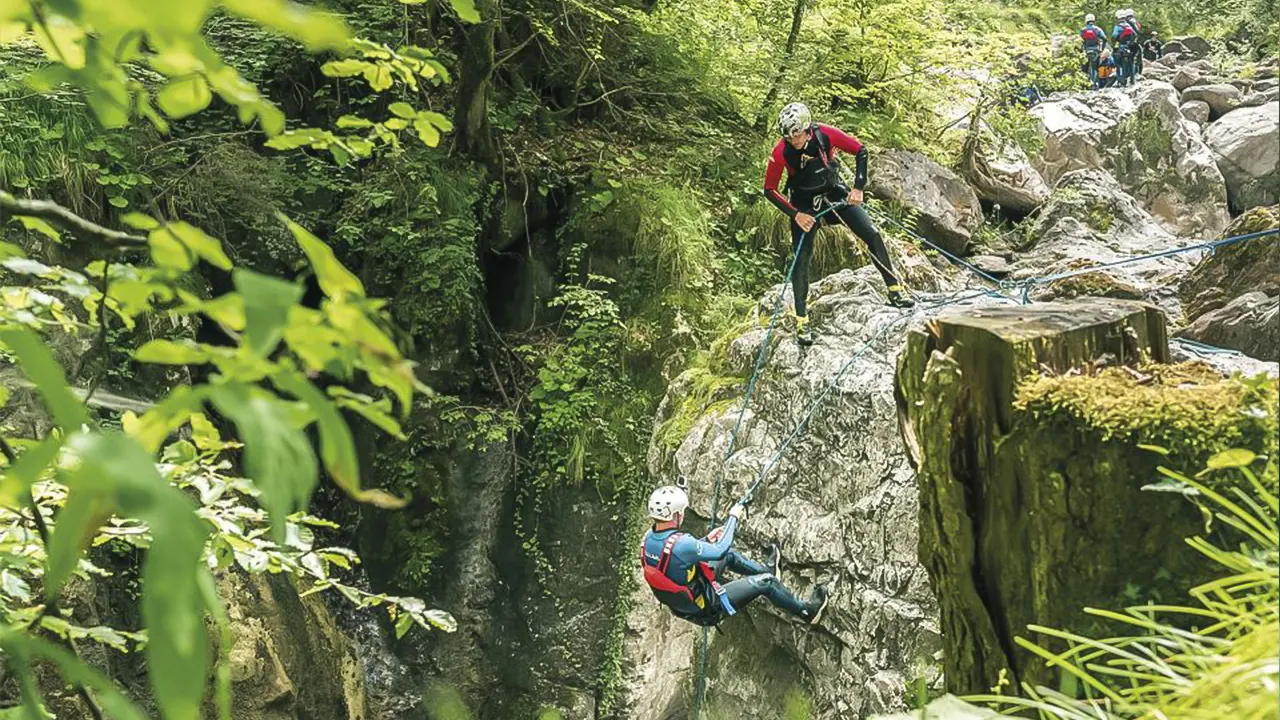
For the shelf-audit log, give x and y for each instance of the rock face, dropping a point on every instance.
(1248, 324)
(1192, 44)
(1197, 111)
(948, 210)
(1015, 459)
(1244, 143)
(1089, 220)
(1230, 296)
(842, 502)
(1185, 78)
(1221, 97)
(1142, 139)
(288, 657)
(1002, 173)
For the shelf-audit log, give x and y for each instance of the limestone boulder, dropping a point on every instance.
(1221, 97)
(1244, 143)
(1221, 278)
(1141, 138)
(1192, 44)
(841, 499)
(1001, 173)
(1250, 323)
(1197, 111)
(1184, 78)
(946, 208)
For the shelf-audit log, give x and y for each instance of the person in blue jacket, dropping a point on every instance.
(1124, 41)
(684, 571)
(1094, 39)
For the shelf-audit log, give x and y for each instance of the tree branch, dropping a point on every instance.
(82, 229)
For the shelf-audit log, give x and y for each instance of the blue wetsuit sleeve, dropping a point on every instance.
(693, 550)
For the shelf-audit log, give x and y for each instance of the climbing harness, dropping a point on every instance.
(655, 576)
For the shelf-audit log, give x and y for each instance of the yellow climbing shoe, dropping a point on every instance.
(898, 297)
(802, 330)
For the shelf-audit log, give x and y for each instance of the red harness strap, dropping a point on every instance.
(657, 579)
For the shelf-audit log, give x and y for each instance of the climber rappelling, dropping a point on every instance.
(685, 572)
(814, 184)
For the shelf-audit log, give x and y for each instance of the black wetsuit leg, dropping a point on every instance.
(856, 219)
(743, 591)
(800, 276)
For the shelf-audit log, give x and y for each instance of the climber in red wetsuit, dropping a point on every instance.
(684, 571)
(807, 153)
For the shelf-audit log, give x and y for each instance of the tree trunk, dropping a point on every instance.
(475, 74)
(797, 16)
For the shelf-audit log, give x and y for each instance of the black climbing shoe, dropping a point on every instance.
(775, 559)
(899, 298)
(817, 603)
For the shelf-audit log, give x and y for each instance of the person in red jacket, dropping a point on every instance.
(806, 153)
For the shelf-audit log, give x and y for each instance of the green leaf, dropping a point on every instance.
(24, 648)
(335, 280)
(267, 301)
(31, 464)
(1154, 449)
(118, 201)
(466, 10)
(403, 109)
(170, 352)
(405, 621)
(87, 507)
(37, 225)
(1234, 458)
(278, 457)
(42, 369)
(315, 29)
(354, 121)
(169, 252)
(184, 96)
(192, 238)
(376, 412)
(378, 76)
(427, 132)
(345, 68)
(140, 221)
(337, 447)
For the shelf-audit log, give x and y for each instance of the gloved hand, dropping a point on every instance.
(738, 511)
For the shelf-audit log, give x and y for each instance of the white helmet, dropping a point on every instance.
(666, 501)
(793, 118)
(1089, 18)
(1122, 14)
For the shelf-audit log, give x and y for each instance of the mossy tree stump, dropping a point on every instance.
(1031, 500)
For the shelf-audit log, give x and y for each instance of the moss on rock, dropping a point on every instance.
(1189, 409)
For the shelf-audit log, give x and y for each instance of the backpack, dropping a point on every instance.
(1126, 33)
(1091, 35)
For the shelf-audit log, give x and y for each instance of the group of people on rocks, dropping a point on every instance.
(1121, 63)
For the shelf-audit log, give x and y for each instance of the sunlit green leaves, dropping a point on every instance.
(184, 96)
(336, 281)
(278, 456)
(315, 29)
(267, 302)
(177, 244)
(466, 10)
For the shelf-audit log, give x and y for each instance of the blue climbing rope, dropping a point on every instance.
(884, 217)
(812, 408)
(1211, 245)
(733, 435)
(1024, 286)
